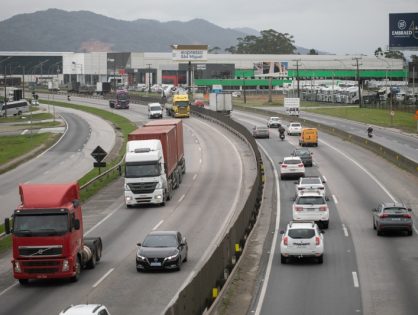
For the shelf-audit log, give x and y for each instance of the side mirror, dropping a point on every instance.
(326, 198)
(138, 244)
(183, 241)
(409, 209)
(280, 162)
(7, 229)
(77, 224)
(374, 210)
(322, 232)
(281, 232)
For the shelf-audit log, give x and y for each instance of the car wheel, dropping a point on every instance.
(185, 258)
(321, 259)
(379, 232)
(283, 259)
(409, 233)
(325, 224)
(138, 269)
(24, 281)
(179, 264)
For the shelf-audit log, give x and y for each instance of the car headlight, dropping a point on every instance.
(140, 257)
(173, 257)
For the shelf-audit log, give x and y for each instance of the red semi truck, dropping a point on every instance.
(152, 168)
(120, 100)
(47, 234)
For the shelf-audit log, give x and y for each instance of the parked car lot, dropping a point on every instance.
(302, 240)
(392, 217)
(260, 132)
(162, 250)
(291, 166)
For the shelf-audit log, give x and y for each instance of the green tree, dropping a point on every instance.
(269, 42)
(312, 52)
(414, 58)
(395, 54)
(214, 50)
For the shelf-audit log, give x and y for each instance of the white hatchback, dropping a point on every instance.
(302, 239)
(85, 309)
(292, 166)
(294, 128)
(311, 206)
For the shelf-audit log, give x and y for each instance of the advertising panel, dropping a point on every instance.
(190, 52)
(403, 31)
(271, 68)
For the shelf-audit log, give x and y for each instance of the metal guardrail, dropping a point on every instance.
(197, 296)
(385, 152)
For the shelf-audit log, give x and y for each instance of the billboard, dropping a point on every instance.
(271, 69)
(403, 31)
(190, 52)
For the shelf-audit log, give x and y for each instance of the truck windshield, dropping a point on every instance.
(122, 96)
(182, 104)
(136, 169)
(40, 224)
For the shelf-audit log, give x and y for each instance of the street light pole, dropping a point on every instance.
(245, 95)
(358, 79)
(149, 77)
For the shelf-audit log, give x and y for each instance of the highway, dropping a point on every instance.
(362, 273)
(201, 209)
(405, 144)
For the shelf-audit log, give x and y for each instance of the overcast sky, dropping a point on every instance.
(335, 26)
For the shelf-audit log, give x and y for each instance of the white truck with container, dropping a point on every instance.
(154, 163)
(292, 106)
(220, 102)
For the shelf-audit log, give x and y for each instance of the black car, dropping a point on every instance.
(305, 155)
(161, 250)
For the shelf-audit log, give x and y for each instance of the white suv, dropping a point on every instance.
(302, 239)
(294, 128)
(85, 309)
(311, 183)
(312, 206)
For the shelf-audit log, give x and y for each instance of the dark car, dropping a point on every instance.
(162, 250)
(392, 217)
(305, 155)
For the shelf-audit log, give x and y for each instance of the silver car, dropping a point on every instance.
(392, 217)
(260, 132)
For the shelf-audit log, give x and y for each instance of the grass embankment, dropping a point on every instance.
(123, 125)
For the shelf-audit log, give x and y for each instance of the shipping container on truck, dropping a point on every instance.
(47, 234)
(167, 136)
(178, 123)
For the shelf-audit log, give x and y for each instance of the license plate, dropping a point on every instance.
(396, 219)
(155, 264)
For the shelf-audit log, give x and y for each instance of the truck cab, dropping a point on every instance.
(180, 106)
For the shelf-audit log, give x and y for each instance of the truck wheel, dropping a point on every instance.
(77, 271)
(99, 252)
(92, 262)
(24, 281)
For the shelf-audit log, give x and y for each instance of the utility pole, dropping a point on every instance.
(270, 89)
(5, 94)
(189, 70)
(297, 75)
(149, 77)
(358, 79)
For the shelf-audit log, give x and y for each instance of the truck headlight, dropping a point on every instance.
(127, 188)
(159, 185)
(65, 265)
(17, 267)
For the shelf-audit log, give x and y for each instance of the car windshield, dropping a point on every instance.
(302, 153)
(40, 224)
(182, 103)
(294, 125)
(395, 210)
(160, 241)
(310, 200)
(292, 162)
(274, 119)
(310, 181)
(155, 108)
(261, 128)
(301, 233)
(138, 169)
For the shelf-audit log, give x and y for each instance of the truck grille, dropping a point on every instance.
(41, 266)
(143, 200)
(41, 270)
(40, 263)
(142, 188)
(183, 110)
(40, 251)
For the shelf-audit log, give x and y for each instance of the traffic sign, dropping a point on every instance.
(98, 154)
(99, 164)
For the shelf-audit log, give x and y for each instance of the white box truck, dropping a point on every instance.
(220, 102)
(292, 106)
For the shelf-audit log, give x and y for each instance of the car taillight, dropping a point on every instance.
(300, 165)
(323, 208)
(407, 215)
(299, 208)
(317, 240)
(383, 215)
(284, 165)
(285, 240)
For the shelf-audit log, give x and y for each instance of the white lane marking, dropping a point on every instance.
(355, 280)
(7, 289)
(368, 173)
(181, 198)
(363, 169)
(100, 222)
(102, 278)
(345, 230)
(276, 230)
(335, 199)
(200, 149)
(200, 161)
(157, 225)
(195, 176)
